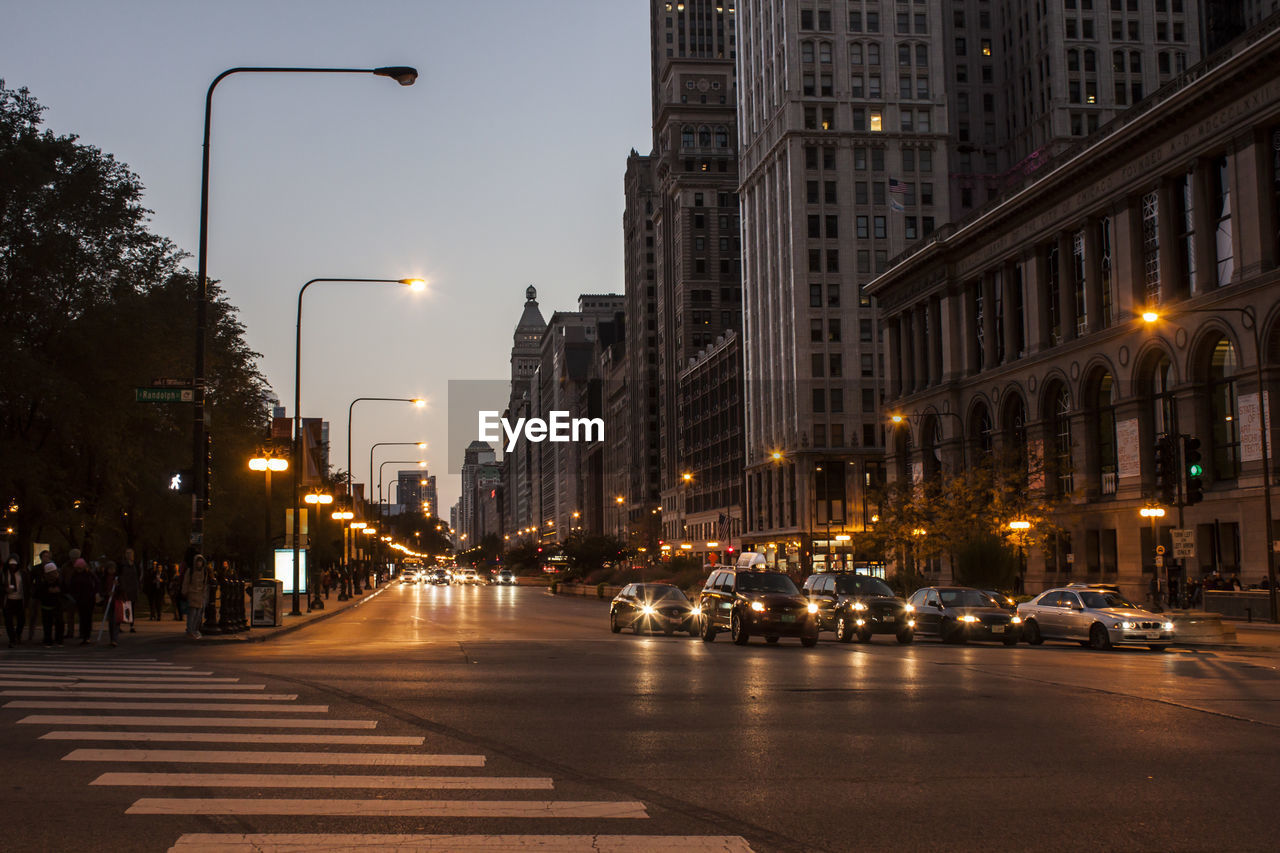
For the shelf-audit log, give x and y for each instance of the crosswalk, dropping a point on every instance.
(177, 729)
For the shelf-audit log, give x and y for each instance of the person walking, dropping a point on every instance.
(195, 588)
(114, 601)
(175, 590)
(127, 585)
(153, 586)
(17, 590)
(66, 572)
(48, 589)
(84, 590)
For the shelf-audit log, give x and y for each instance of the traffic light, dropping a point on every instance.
(1191, 464)
(1166, 475)
(181, 481)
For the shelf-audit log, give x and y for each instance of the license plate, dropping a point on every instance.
(997, 629)
(788, 618)
(1153, 636)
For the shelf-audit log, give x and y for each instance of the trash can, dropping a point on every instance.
(268, 603)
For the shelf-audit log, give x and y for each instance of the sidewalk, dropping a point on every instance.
(170, 630)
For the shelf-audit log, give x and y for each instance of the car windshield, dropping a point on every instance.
(965, 598)
(659, 593)
(1102, 600)
(766, 582)
(874, 586)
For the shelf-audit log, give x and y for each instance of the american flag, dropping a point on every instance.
(723, 526)
(897, 186)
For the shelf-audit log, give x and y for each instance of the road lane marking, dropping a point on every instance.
(122, 694)
(324, 780)
(132, 685)
(193, 722)
(120, 679)
(305, 843)
(239, 737)
(102, 670)
(218, 756)
(389, 808)
(103, 665)
(166, 706)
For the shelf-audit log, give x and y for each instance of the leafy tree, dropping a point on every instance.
(588, 553)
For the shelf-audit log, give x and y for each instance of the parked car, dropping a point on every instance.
(505, 578)
(859, 606)
(1093, 617)
(957, 614)
(653, 606)
(751, 601)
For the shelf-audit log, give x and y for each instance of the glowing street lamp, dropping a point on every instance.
(268, 464)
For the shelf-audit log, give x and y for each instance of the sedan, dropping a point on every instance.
(505, 578)
(409, 576)
(855, 605)
(1093, 617)
(957, 614)
(653, 606)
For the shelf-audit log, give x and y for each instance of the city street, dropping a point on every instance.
(474, 712)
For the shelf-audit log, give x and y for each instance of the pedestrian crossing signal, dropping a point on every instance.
(182, 481)
(1191, 459)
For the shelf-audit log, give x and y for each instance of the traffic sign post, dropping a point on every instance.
(173, 383)
(1184, 546)
(164, 395)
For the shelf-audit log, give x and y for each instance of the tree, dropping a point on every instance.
(588, 553)
(94, 305)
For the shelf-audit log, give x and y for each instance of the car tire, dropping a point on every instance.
(1099, 639)
(1031, 633)
(844, 631)
(864, 636)
(905, 637)
(955, 635)
(809, 641)
(613, 622)
(771, 639)
(708, 629)
(1011, 641)
(738, 630)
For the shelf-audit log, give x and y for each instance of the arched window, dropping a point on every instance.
(1159, 387)
(1223, 415)
(1058, 411)
(1104, 432)
(704, 137)
(980, 431)
(855, 53)
(930, 441)
(806, 51)
(824, 52)
(686, 136)
(1013, 426)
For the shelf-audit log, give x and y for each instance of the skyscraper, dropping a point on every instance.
(517, 475)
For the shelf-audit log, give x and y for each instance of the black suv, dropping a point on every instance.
(751, 602)
(859, 606)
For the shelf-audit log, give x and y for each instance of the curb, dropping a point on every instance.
(249, 637)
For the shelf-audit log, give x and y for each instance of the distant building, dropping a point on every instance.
(477, 454)
(517, 465)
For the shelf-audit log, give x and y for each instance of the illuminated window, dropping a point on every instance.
(876, 124)
(986, 47)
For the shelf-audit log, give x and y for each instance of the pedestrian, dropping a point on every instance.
(154, 586)
(195, 587)
(114, 603)
(33, 601)
(127, 582)
(175, 591)
(17, 590)
(84, 591)
(68, 600)
(48, 588)
(326, 578)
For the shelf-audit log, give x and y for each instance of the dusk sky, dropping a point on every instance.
(500, 168)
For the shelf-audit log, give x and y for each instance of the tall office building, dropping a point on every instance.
(843, 130)
(526, 348)
(477, 454)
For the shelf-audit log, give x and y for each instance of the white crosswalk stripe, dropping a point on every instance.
(390, 808)
(192, 684)
(237, 737)
(194, 722)
(124, 694)
(323, 780)
(307, 843)
(165, 706)
(214, 756)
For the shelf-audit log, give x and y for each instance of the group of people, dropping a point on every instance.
(66, 599)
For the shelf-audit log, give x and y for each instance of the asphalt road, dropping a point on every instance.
(519, 722)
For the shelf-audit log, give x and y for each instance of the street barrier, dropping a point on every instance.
(1248, 605)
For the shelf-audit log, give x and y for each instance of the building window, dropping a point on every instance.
(1053, 295)
(1221, 209)
(1104, 423)
(861, 223)
(833, 331)
(1151, 246)
(815, 296)
(1223, 411)
(875, 124)
(1183, 197)
(836, 364)
(819, 400)
(880, 229)
(867, 364)
(1077, 282)
(815, 331)
(1104, 276)
(1060, 409)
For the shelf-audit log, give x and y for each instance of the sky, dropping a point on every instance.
(500, 168)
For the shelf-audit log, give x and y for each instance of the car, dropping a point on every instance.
(861, 606)
(505, 578)
(1098, 618)
(440, 576)
(408, 576)
(752, 601)
(470, 576)
(1006, 602)
(957, 614)
(650, 606)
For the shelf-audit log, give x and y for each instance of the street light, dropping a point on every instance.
(1248, 319)
(418, 402)
(268, 464)
(415, 284)
(402, 74)
(1020, 528)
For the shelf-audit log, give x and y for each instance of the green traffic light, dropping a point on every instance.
(1195, 470)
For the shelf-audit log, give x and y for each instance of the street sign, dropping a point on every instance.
(1159, 549)
(164, 395)
(1159, 561)
(173, 383)
(1184, 543)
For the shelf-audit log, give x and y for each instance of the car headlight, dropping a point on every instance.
(696, 611)
(647, 610)
(911, 623)
(859, 622)
(757, 606)
(1124, 626)
(1168, 626)
(813, 608)
(909, 608)
(968, 617)
(1017, 620)
(858, 605)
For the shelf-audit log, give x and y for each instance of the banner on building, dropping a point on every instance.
(1251, 428)
(1128, 449)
